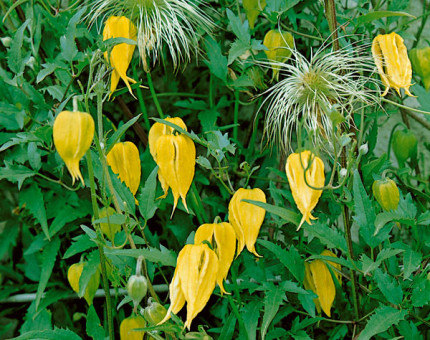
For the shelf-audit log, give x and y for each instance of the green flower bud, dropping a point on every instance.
(137, 287)
(405, 145)
(154, 312)
(386, 193)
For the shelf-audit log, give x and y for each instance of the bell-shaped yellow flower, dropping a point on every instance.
(305, 197)
(253, 8)
(194, 280)
(319, 280)
(175, 155)
(109, 229)
(246, 218)
(121, 54)
(391, 59)
(74, 274)
(125, 162)
(73, 134)
(126, 331)
(279, 46)
(420, 58)
(224, 246)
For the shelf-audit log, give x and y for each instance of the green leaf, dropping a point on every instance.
(411, 261)
(118, 133)
(164, 256)
(339, 260)
(91, 267)
(238, 48)
(63, 334)
(15, 60)
(382, 320)
(81, 243)
(147, 205)
(67, 41)
(330, 237)
(49, 257)
(251, 313)
(389, 287)
(12, 117)
(272, 301)
(421, 293)
(228, 328)
(34, 202)
(66, 215)
(16, 173)
(290, 259)
(94, 328)
(241, 30)
(217, 61)
(367, 265)
(371, 16)
(204, 162)
(288, 215)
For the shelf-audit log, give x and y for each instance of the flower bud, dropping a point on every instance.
(6, 41)
(386, 193)
(253, 8)
(343, 172)
(364, 149)
(279, 45)
(127, 325)
(109, 229)
(137, 287)
(74, 274)
(420, 59)
(405, 145)
(154, 312)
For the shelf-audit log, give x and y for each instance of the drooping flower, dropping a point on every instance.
(74, 274)
(222, 237)
(391, 59)
(126, 329)
(120, 56)
(309, 89)
(246, 218)
(175, 155)
(319, 280)
(109, 229)
(306, 198)
(175, 24)
(73, 134)
(193, 281)
(253, 8)
(125, 162)
(386, 193)
(420, 59)
(279, 45)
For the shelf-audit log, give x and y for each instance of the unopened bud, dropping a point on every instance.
(364, 149)
(6, 41)
(137, 287)
(154, 313)
(343, 172)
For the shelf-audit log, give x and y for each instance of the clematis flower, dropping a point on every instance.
(121, 54)
(246, 218)
(319, 280)
(279, 46)
(391, 59)
(74, 275)
(420, 59)
(125, 162)
(305, 197)
(73, 133)
(222, 237)
(253, 8)
(175, 155)
(126, 329)
(193, 281)
(175, 24)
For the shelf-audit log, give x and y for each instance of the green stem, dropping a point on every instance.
(198, 206)
(423, 24)
(404, 106)
(178, 94)
(236, 115)
(330, 13)
(154, 95)
(101, 253)
(142, 103)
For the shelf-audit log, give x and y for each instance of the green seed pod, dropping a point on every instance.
(405, 145)
(154, 312)
(137, 287)
(386, 193)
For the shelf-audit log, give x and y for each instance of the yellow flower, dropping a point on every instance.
(391, 59)
(224, 245)
(109, 229)
(305, 197)
(73, 134)
(175, 155)
(193, 282)
(246, 218)
(279, 46)
(420, 58)
(127, 325)
(121, 54)
(253, 8)
(319, 280)
(125, 162)
(74, 274)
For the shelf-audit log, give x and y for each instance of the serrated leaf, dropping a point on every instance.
(241, 30)
(15, 60)
(228, 328)
(34, 202)
(64, 216)
(272, 301)
(237, 48)
(63, 334)
(47, 69)
(250, 315)
(204, 162)
(81, 243)
(421, 293)
(49, 257)
(164, 256)
(91, 267)
(118, 133)
(375, 15)
(290, 259)
(217, 61)
(382, 320)
(389, 287)
(328, 236)
(411, 262)
(147, 205)
(367, 265)
(16, 174)
(93, 327)
(67, 41)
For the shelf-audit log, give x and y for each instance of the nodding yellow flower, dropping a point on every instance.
(127, 325)
(305, 197)
(246, 218)
(121, 54)
(73, 134)
(391, 59)
(319, 280)
(175, 155)
(280, 45)
(193, 281)
(224, 245)
(74, 274)
(420, 58)
(109, 229)
(253, 8)
(125, 162)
